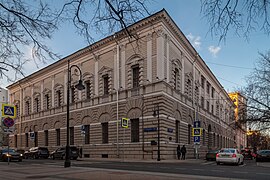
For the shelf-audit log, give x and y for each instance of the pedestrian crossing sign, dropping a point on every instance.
(8, 111)
(196, 131)
(125, 122)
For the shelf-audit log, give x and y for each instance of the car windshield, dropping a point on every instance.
(43, 149)
(10, 150)
(227, 151)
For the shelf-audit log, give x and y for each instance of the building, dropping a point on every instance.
(3, 100)
(240, 119)
(156, 80)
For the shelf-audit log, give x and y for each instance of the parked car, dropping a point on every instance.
(37, 152)
(60, 153)
(230, 156)
(247, 153)
(211, 155)
(263, 155)
(12, 154)
(21, 151)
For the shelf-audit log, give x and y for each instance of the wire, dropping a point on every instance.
(229, 81)
(228, 65)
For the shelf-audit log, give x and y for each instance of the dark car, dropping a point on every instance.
(60, 153)
(11, 154)
(263, 155)
(37, 152)
(247, 153)
(211, 155)
(21, 151)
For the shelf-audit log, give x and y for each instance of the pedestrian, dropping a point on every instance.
(183, 152)
(80, 152)
(178, 152)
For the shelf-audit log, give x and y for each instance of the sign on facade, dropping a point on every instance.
(196, 131)
(32, 136)
(125, 122)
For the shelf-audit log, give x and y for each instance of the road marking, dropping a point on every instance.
(240, 172)
(206, 163)
(181, 168)
(164, 167)
(215, 170)
(197, 169)
(263, 173)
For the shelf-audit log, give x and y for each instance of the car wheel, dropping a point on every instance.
(53, 157)
(218, 163)
(238, 162)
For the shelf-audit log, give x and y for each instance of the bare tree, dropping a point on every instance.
(24, 25)
(243, 17)
(258, 94)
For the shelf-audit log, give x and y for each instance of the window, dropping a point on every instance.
(57, 137)
(27, 107)
(16, 141)
(87, 89)
(177, 131)
(71, 133)
(189, 133)
(176, 75)
(202, 102)
(135, 133)
(17, 110)
(207, 106)
(202, 81)
(212, 109)
(213, 92)
(87, 134)
(37, 104)
(106, 84)
(47, 101)
(214, 140)
(72, 94)
(46, 137)
(135, 76)
(36, 139)
(105, 133)
(203, 137)
(26, 140)
(207, 87)
(58, 97)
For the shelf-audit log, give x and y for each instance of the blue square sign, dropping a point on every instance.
(197, 139)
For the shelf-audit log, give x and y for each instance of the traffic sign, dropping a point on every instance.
(196, 131)
(197, 139)
(32, 136)
(197, 124)
(8, 122)
(125, 122)
(8, 110)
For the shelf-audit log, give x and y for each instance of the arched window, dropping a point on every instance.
(189, 134)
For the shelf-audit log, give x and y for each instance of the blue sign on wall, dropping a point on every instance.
(152, 129)
(170, 130)
(197, 139)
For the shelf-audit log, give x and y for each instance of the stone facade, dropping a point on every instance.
(127, 78)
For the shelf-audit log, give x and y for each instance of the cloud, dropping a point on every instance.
(214, 50)
(195, 40)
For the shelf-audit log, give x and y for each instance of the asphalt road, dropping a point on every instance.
(250, 169)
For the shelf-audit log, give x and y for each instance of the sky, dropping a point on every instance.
(219, 56)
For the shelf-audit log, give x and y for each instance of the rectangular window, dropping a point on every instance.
(88, 90)
(105, 137)
(207, 106)
(72, 94)
(37, 104)
(213, 92)
(135, 133)
(106, 84)
(36, 139)
(47, 101)
(202, 102)
(46, 137)
(71, 133)
(176, 75)
(135, 75)
(177, 131)
(57, 137)
(189, 133)
(58, 96)
(202, 81)
(87, 134)
(27, 107)
(212, 109)
(207, 87)
(16, 141)
(26, 140)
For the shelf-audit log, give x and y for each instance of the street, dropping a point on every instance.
(113, 169)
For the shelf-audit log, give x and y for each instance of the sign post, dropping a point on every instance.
(197, 132)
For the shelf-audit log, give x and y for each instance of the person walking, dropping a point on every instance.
(183, 152)
(178, 150)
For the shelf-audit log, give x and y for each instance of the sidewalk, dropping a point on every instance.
(143, 160)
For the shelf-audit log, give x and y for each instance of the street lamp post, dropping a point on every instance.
(156, 113)
(79, 86)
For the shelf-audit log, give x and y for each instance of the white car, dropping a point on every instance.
(229, 156)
